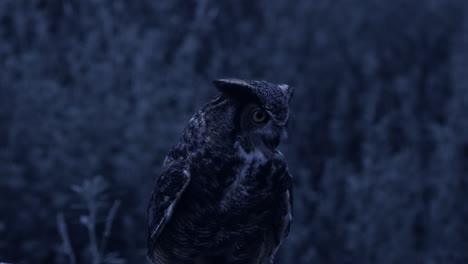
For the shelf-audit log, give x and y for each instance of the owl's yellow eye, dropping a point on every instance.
(259, 116)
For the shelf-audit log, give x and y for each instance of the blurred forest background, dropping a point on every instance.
(93, 93)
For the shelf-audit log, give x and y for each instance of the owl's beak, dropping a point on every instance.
(271, 140)
(267, 149)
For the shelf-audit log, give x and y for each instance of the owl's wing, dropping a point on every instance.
(169, 186)
(283, 217)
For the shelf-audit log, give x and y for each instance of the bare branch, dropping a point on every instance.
(108, 226)
(63, 231)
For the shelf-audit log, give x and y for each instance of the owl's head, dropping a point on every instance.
(262, 111)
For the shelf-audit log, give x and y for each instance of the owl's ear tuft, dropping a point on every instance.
(233, 87)
(288, 90)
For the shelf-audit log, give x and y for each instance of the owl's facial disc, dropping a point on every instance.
(260, 129)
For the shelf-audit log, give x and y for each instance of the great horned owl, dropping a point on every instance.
(225, 194)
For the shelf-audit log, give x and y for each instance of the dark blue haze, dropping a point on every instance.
(93, 93)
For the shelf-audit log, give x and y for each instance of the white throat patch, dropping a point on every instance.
(254, 156)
